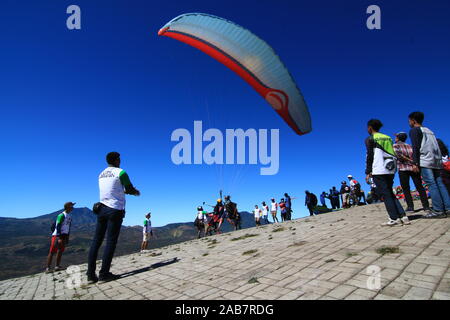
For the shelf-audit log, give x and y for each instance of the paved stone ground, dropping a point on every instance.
(331, 256)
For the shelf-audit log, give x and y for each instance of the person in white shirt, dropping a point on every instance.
(114, 183)
(147, 232)
(265, 212)
(60, 236)
(257, 213)
(274, 210)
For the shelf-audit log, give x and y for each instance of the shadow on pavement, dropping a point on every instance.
(153, 266)
(415, 216)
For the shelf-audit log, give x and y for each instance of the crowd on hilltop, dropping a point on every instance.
(425, 161)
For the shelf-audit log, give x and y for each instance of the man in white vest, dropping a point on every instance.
(114, 183)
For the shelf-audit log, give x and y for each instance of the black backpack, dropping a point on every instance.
(53, 227)
(313, 199)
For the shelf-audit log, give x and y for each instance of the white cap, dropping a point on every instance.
(349, 176)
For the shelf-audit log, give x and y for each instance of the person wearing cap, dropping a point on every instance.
(60, 237)
(114, 183)
(406, 171)
(147, 232)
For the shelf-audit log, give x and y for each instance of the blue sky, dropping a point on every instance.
(69, 97)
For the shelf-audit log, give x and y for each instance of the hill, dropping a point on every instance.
(24, 243)
(339, 255)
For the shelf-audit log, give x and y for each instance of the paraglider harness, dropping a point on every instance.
(233, 215)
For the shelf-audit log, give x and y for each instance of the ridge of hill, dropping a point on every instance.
(24, 243)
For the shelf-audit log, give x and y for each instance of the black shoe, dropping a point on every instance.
(92, 279)
(108, 277)
(432, 214)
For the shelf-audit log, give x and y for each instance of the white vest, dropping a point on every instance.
(112, 192)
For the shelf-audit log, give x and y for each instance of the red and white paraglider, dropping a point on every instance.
(247, 55)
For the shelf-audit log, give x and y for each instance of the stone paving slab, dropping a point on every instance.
(330, 256)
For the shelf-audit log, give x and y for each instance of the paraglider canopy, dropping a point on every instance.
(247, 55)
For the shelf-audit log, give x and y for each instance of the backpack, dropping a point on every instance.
(313, 199)
(53, 227)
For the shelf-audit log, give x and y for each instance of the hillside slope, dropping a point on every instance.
(331, 256)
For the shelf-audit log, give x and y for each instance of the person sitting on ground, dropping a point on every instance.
(381, 166)
(60, 236)
(257, 213)
(274, 210)
(147, 232)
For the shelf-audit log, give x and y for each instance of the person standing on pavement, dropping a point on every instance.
(405, 164)
(288, 202)
(147, 232)
(114, 183)
(381, 166)
(427, 159)
(60, 236)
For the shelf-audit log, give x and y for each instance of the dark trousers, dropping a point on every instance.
(335, 202)
(288, 213)
(417, 180)
(384, 183)
(311, 209)
(109, 221)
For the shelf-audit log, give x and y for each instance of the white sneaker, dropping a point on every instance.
(405, 220)
(391, 222)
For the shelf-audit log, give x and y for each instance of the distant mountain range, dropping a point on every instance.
(24, 243)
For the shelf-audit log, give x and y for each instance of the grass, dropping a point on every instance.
(297, 244)
(387, 250)
(205, 254)
(330, 260)
(249, 252)
(253, 280)
(244, 237)
(278, 229)
(351, 254)
(155, 254)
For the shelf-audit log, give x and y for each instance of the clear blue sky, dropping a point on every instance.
(69, 97)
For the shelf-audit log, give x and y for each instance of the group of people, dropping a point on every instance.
(425, 159)
(114, 183)
(285, 207)
(209, 222)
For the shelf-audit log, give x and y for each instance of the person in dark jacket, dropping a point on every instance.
(288, 203)
(310, 202)
(334, 198)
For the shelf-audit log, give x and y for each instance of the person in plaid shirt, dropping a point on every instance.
(406, 167)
